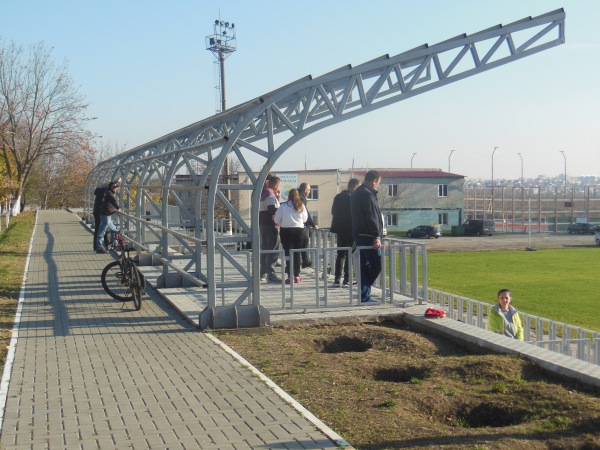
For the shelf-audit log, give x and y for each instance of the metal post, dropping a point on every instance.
(522, 193)
(449, 156)
(494, 151)
(411, 160)
(565, 158)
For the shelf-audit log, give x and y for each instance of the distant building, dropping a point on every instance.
(409, 197)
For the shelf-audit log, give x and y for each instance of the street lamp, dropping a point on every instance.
(565, 158)
(411, 160)
(522, 193)
(494, 151)
(449, 156)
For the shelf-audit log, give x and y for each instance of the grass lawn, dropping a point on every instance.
(14, 244)
(558, 284)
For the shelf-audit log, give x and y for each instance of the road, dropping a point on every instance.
(507, 242)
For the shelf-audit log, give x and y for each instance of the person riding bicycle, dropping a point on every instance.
(109, 207)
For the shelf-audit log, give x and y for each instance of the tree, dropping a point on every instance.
(41, 113)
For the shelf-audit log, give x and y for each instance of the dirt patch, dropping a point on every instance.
(384, 386)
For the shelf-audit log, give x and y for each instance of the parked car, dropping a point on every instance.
(480, 227)
(597, 236)
(581, 228)
(427, 231)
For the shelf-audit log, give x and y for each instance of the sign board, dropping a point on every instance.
(288, 181)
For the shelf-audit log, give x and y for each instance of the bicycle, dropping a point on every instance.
(121, 279)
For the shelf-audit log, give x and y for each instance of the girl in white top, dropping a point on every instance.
(290, 216)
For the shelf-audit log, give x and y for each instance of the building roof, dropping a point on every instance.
(385, 173)
(409, 173)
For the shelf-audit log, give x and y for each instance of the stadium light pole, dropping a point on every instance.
(449, 156)
(221, 44)
(411, 160)
(494, 151)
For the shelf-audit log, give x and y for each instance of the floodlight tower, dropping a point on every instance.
(221, 44)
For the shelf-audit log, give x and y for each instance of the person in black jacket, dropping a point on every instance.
(367, 226)
(98, 199)
(341, 225)
(108, 208)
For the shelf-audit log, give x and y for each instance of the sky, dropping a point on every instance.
(144, 69)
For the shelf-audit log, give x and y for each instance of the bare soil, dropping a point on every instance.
(383, 386)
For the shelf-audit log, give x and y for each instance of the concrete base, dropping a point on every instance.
(233, 317)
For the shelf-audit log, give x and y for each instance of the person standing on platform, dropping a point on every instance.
(269, 234)
(291, 217)
(341, 225)
(367, 226)
(304, 191)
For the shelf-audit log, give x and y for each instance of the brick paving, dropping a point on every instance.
(89, 372)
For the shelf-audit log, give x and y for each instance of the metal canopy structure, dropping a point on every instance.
(265, 128)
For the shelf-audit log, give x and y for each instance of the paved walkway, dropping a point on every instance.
(88, 373)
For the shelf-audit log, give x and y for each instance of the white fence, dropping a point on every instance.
(558, 337)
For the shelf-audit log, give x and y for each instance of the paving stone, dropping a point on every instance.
(90, 372)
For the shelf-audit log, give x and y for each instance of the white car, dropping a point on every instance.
(597, 236)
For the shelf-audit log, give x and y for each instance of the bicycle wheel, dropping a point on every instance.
(136, 287)
(115, 282)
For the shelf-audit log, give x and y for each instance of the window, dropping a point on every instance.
(391, 220)
(443, 218)
(442, 190)
(392, 190)
(314, 193)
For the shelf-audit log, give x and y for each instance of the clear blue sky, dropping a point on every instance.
(144, 69)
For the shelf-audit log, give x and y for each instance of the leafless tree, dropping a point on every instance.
(41, 113)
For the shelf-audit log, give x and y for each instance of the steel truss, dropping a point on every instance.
(265, 128)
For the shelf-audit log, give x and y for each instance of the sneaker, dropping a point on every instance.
(273, 278)
(369, 303)
(297, 280)
(101, 250)
(346, 284)
(306, 264)
(287, 281)
(263, 277)
(336, 284)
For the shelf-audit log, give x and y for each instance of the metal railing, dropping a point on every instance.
(555, 336)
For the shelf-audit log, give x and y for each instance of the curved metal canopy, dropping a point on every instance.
(265, 128)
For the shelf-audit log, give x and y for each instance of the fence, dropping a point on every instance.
(545, 333)
(516, 209)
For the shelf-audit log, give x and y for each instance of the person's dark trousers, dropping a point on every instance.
(96, 227)
(370, 266)
(292, 238)
(343, 240)
(269, 240)
(306, 262)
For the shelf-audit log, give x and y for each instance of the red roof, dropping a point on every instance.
(410, 174)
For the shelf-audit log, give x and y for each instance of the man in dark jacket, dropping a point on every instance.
(341, 225)
(98, 199)
(367, 226)
(109, 207)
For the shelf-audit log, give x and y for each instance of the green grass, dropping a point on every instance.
(557, 284)
(14, 244)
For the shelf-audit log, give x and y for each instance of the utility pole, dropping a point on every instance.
(221, 44)
(495, 148)
(449, 156)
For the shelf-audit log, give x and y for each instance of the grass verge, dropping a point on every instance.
(14, 245)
